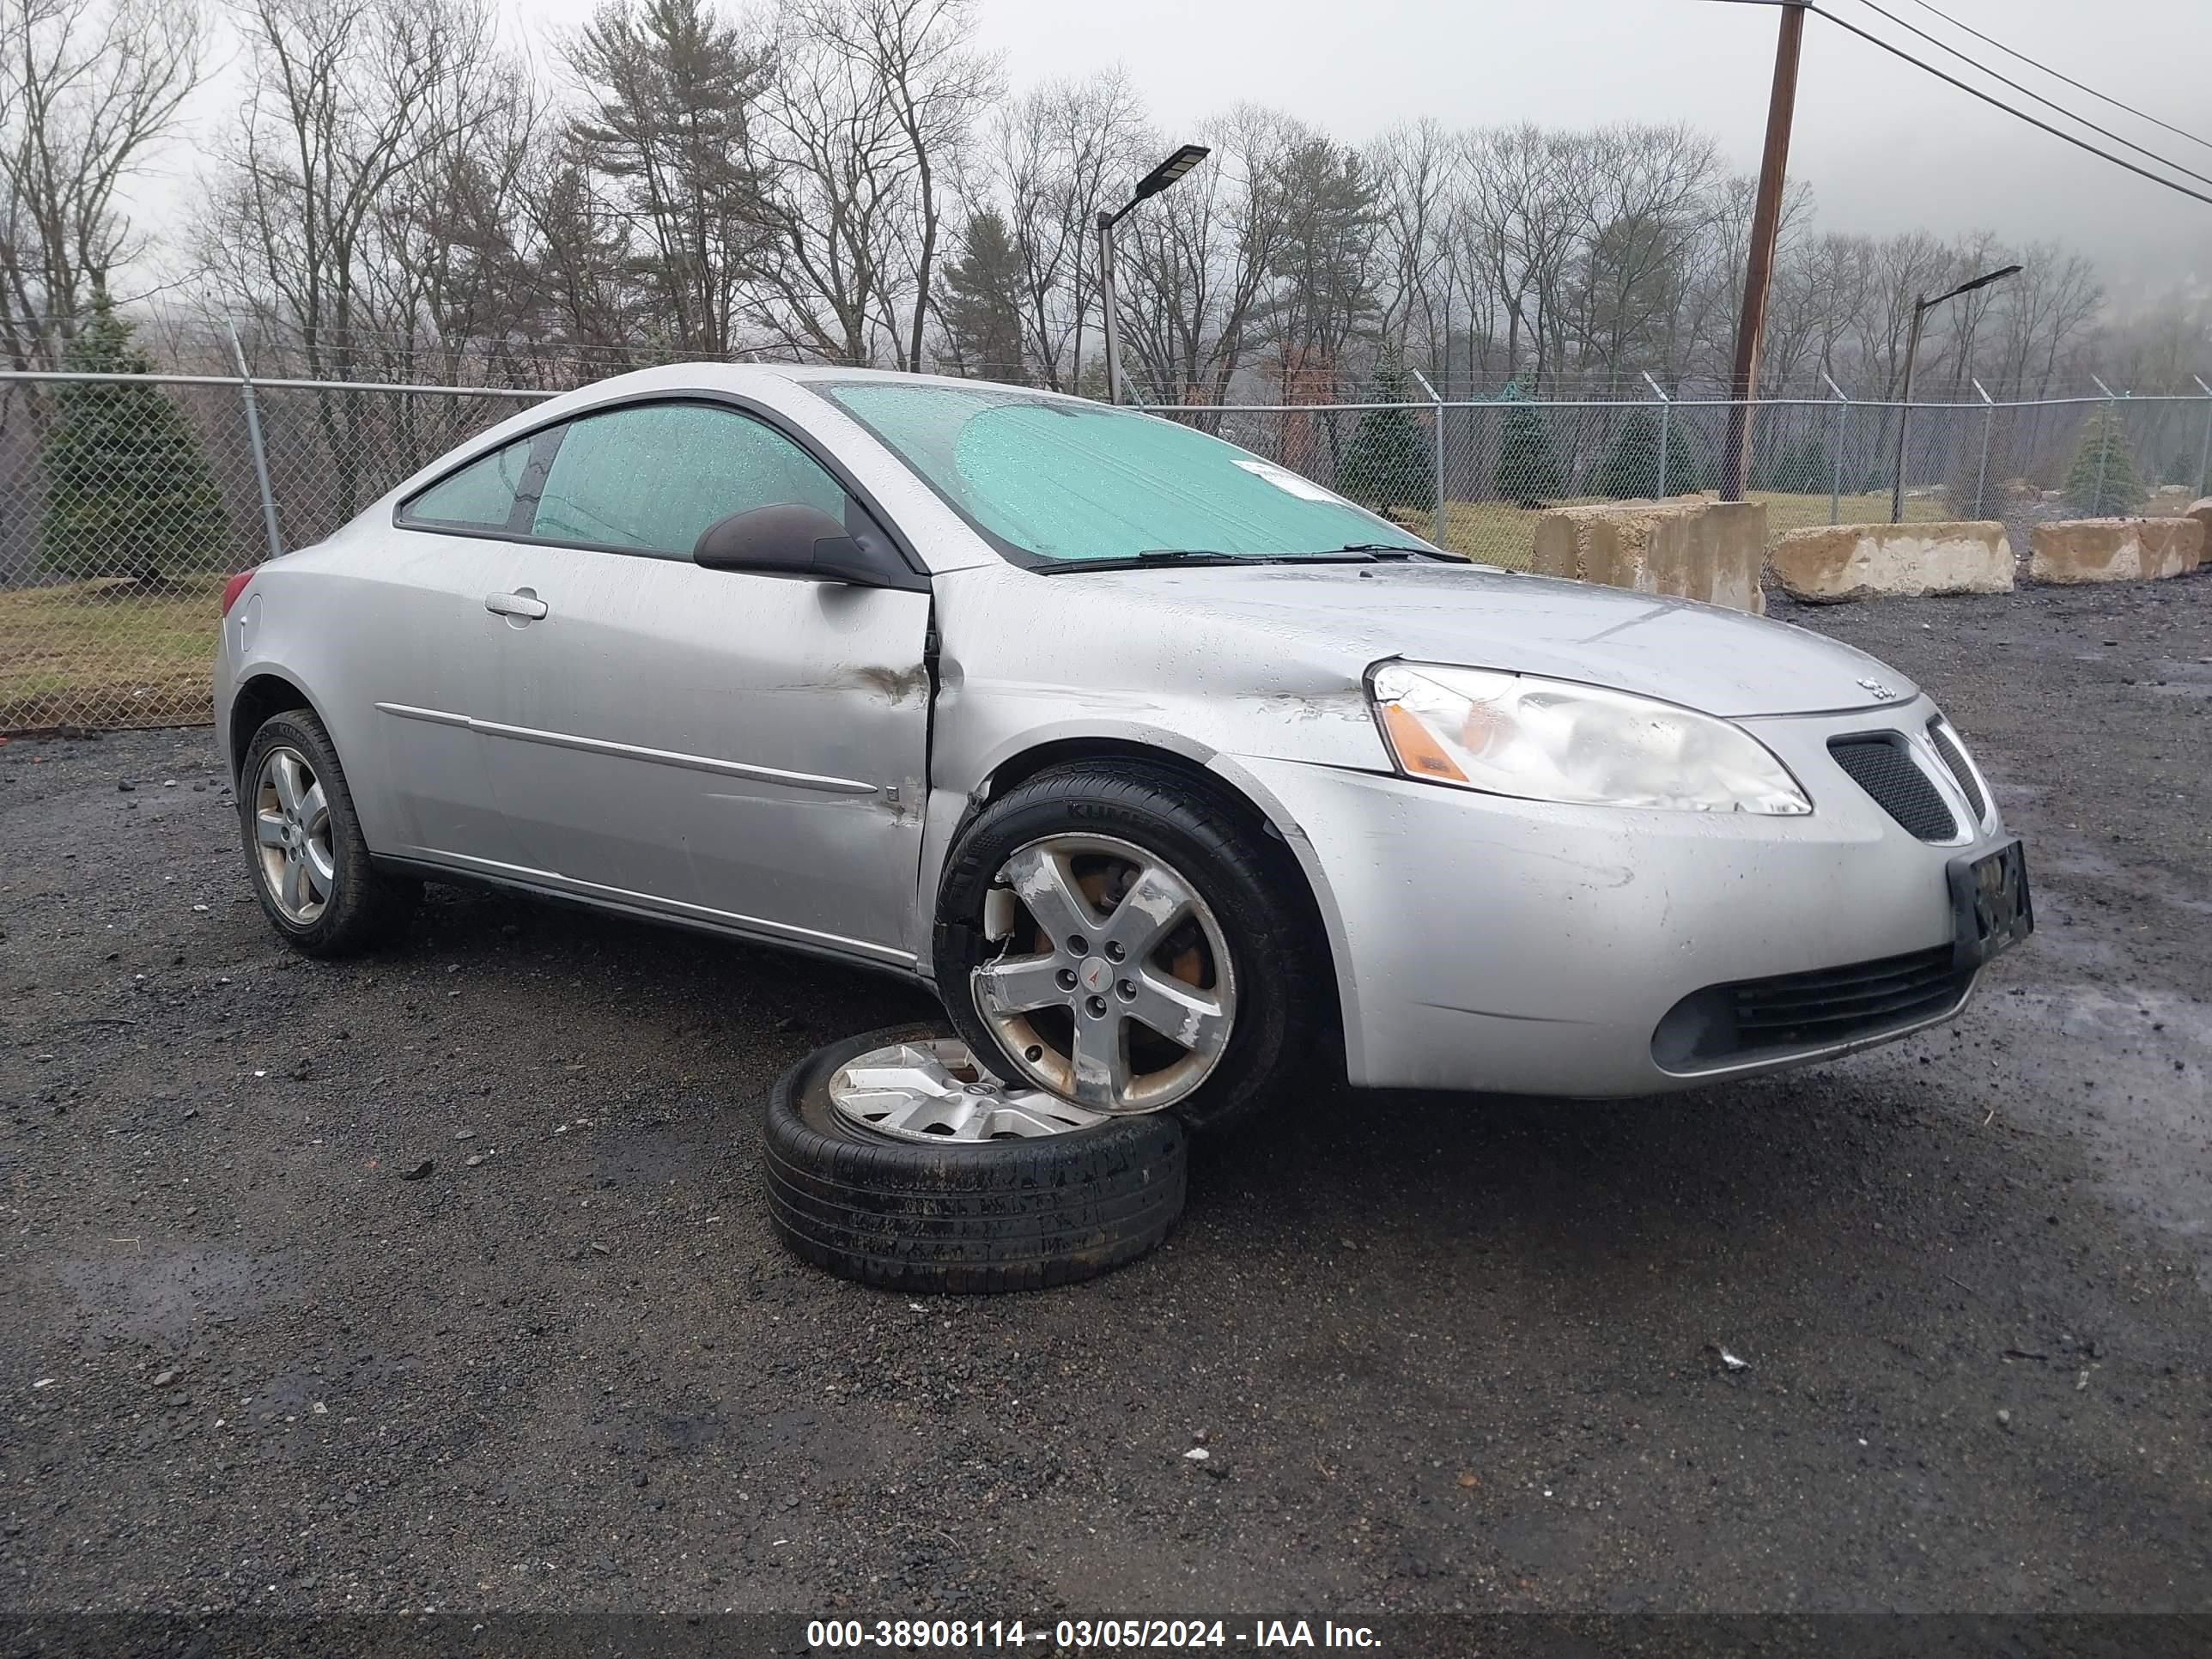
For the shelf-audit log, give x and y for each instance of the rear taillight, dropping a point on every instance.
(233, 588)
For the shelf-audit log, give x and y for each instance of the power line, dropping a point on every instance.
(2060, 75)
(2005, 80)
(1996, 102)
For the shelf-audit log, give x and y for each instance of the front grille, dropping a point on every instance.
(1879, 765)
(1798, 1011)
(1957, 761)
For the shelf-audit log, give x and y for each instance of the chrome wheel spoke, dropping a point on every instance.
(1015, 985)
(1100, 1070)
(296, 892)
(268, 828)
(313, 808)
(1181, 1013)
(286, 775)
(1042, 880)
(322, 873)
(1155, 904)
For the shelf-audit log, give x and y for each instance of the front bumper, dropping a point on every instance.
(1488, 944)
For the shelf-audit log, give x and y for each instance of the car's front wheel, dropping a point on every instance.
(312, 870)
(1127, 939)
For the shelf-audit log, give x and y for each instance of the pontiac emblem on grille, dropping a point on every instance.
(1882, 693)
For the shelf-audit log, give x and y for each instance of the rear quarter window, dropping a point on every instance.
(480, 496)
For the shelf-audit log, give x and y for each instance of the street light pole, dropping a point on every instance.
(1151, 183)
(1920, 310)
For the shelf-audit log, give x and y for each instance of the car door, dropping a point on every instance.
(422, 653)
(744, 749)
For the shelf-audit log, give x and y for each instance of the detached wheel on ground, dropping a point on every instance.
(893, 1159)
(312, 870)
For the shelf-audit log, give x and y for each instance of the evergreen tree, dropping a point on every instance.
(1801, 466)
(1388, 464)
(2102, 482)
(1630, 471)
(1528, 469)
(981, 303)
(127, 491)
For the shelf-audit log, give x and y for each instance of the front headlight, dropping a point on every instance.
(1514, 734)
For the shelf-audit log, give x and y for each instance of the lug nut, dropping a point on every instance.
(1096, 1007)
(1128, 991)
(1077, 946)
(1066, 979)
(1113, 951)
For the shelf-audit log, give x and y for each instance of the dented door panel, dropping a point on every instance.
(739, 749)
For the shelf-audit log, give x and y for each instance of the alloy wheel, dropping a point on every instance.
(933, 1090)
(292, 836)
(1113, 987)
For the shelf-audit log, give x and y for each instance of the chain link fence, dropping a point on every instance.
(126, 500)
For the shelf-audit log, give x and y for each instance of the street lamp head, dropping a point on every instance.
(1170, 170)
(1981, 281)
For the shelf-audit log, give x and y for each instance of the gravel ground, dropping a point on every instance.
(1443, 1353)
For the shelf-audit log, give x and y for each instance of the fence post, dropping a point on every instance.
(1842, 423)
(1440, 536)
(2204, 454)
(1988, 425)
(2104, 446)
(1666, 412)
(253, 438)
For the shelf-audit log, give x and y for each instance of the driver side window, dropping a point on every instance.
(650, 478)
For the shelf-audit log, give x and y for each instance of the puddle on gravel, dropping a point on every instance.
(2130, 1068)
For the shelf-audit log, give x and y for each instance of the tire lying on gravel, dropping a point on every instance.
(962, 1215)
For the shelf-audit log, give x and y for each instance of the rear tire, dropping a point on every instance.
(312, 870)
(961, 1216)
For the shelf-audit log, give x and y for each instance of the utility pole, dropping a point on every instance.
(1759, 268)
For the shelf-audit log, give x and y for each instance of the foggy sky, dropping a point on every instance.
(1885, 147)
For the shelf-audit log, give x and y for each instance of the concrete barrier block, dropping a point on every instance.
(2115, 550)
(2202, 512)
(1829, 563)
(1692, 549)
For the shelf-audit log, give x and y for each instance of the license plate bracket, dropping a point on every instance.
(1991, 906)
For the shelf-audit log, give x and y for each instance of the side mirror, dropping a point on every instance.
(791, 540)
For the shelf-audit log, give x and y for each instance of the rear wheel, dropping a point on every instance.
(1118, 935)
(311, 869)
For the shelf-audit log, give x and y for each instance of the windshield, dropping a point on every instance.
(1061, 480)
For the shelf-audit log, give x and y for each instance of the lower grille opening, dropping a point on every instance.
(1792, 1012)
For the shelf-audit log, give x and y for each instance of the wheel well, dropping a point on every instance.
(257, 700)
(1019, 768)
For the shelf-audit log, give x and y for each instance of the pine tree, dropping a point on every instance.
(128, 492)
(1801, 466)
(1630, 471)
(1387, 464)
(2102, 482)
(1527, 470)
(981, 304)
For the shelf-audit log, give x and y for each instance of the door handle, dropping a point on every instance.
(524, 605)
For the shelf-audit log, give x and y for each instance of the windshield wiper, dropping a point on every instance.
(1397, 550)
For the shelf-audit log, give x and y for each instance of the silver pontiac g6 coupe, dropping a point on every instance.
(1174, 773)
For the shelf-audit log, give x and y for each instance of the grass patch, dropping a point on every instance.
(108, 653)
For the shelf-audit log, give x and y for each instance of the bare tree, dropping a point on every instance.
(88, 88)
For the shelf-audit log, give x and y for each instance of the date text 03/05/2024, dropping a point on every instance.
(1078, 1635)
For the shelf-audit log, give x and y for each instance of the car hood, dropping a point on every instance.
(1718, 661)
